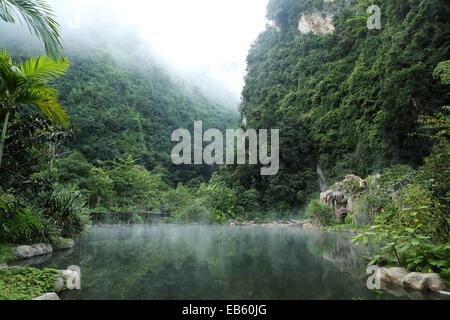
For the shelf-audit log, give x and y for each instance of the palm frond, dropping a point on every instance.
(27, 83)
(46, 99)
(43, 68)
(7, 75)
(38, 16)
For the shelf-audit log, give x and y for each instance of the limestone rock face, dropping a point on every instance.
(316, 22)
(25, 252)
(340, 197)
(320, 20)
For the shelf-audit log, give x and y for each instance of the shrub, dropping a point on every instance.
(26, 283)
(370, 202)
(418, 209)
(400, 244)
(219, 198)
(197, 212)
(322, 213)
(66, 206)
(396, 177)
(25, 225)
(407, 232)
(5, 253)
(174, 200)
(249, 200)
(426, 257)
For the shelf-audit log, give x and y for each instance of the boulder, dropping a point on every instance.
(352, 177)
(308, 226)
(412, 280)
(59, 285)
(435, 282)
(42, 249)
(393, 275)
(3, 266)
(424, 281)
(25, 252)
(48, 296)
(340, 198)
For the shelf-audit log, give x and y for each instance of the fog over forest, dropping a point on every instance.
(202, 43)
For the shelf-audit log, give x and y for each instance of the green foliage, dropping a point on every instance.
(367, 204)
(133, 108)
(103, 186)
(24, 224)
(212, 203)
(428, 257)
(174, 199)
(27, 151)
(404, 245)
(396, 177)
(409, 230)
(66, 206)
(442, 72)
(221, 199)
(27, 283)
(28, 83)
(133, 184)
(6, 254)
(196, 211)
(322, 213)
(348, 100)
(435, 173)
(416, 209)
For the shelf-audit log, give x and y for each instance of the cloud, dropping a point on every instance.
(194, 37)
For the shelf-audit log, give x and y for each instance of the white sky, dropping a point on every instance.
(190, 34)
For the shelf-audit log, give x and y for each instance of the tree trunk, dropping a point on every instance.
(3, 137)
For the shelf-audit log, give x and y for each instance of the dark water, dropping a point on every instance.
(203, 262)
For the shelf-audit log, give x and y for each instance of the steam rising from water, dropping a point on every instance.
(215, 262)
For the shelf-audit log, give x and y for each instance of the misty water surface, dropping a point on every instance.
(213, 262)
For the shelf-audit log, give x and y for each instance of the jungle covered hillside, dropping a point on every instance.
(349, 101)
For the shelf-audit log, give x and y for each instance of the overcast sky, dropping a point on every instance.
(190, 34)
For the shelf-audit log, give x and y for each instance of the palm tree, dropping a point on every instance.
(27, 83)
(39, 18)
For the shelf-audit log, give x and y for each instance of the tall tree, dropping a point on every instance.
(40, 20)
(27, 83)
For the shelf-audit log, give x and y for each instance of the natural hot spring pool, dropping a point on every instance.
(213, 262)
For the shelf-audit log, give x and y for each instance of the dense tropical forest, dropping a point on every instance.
(89, 130)
(347, 102)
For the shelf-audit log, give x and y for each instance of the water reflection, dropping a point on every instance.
(204, 262)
